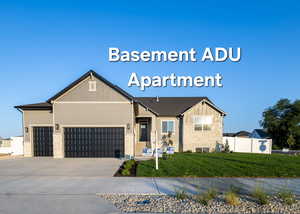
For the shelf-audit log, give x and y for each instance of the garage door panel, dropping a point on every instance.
(94, 142)
(43, 141)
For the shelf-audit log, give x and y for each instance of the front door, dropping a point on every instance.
(143, 131)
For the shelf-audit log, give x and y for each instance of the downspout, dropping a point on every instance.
(133, 128)
(23, 127)
(54, 131)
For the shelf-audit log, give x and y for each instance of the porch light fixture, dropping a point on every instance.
(26, 130)
(128, 126)
(57, 127)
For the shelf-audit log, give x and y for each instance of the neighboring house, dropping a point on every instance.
(228, 134)
(13, 146)
(244, 141)
(242, 134)
(5, 145)
(94, 118)
(260, 133)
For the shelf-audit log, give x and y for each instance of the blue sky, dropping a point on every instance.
(44, 45)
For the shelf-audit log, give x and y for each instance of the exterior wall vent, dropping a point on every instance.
(92, 85)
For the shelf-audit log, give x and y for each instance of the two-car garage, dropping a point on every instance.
(81, 141)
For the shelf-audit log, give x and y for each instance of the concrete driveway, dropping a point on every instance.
(44, 166)
(47, 185)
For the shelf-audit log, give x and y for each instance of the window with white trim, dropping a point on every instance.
(92, 85)
(167, 126)
(203, 122)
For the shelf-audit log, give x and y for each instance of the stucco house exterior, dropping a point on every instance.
(92, 117)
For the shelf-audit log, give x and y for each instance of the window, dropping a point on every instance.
(167, 126)
(203, 123)
(92, 85)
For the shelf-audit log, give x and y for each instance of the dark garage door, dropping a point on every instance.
(94, 142)
(43, 141)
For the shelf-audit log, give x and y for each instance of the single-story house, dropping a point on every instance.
(244, 134)
(92, 117)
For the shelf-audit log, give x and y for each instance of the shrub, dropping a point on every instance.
(181, 194)
(287, 197)
(226, 149)
(212, 193)
(235, 189)
(129, 164)
(207, 196)
(125, 172)
(260, 195)
(188, 151)
(232, 198)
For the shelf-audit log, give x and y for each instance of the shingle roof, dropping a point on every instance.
(229, 134)
(170, 106)
(36, 106)
(262, 133)
(242, 134)
(167, 106)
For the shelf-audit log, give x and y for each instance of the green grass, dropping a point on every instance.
(222, 165)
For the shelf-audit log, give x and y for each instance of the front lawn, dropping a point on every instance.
(222, 165)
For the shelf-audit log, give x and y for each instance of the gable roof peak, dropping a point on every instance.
(83, 77)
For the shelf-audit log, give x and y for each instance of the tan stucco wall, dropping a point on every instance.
(81, 93)
(93, 115)
(31, 119)
(141, 111)
(193, 139)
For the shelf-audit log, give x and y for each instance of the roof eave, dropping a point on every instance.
(145, 106)
(205, 99)
(33, 108)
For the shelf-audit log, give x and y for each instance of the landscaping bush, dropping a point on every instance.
(232, 198)
(287, 196)
(226, 149)
(212, 192)
(181, 194)
(206, 197)
(126, 169)
(125, 172)
(129, 164)
(260, 195)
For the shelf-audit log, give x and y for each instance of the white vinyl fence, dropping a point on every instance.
(15, 147)
(248, 145)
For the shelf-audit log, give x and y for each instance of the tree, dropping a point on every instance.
(281, 121)
(291, 141)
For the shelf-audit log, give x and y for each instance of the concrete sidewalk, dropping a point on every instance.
(65, 194)
(94, 185)
(61, 186)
